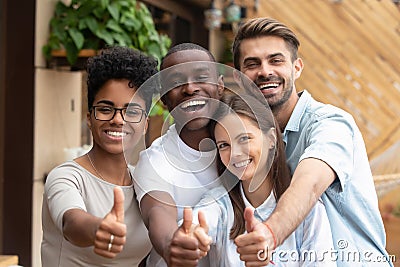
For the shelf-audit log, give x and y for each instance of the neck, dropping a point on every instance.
(283, 112)
(196, 139)
(112, 169)
(258, 196)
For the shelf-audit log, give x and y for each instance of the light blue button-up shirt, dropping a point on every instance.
(324, 132)
(309, 245)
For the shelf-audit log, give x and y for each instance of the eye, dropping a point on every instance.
(251, 65)
(133, 112)
(105, 109)
(244, 138)
(202, 78)
(177, 82)
(277, 61)
(173, 83)
(222, 146)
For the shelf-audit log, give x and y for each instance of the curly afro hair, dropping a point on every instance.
(119, 62)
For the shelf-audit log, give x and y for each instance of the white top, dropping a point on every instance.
(311, 239)
(71, 186)
(171, 166)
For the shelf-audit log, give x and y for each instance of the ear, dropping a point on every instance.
(88, 120)
(298, 67)
(221, 85)
(237, 76)
(146, 125)
(272, 138)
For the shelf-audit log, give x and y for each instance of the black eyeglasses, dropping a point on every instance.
(129, 114)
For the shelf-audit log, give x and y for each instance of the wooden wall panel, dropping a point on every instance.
(351, 54)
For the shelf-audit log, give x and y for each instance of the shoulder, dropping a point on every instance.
(67, 169)
(320, 110)
(217, 195)
(158, 148)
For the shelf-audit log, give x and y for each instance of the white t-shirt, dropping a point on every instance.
(71, 186)
(171, 166)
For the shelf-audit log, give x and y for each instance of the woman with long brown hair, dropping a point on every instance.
(251, 149)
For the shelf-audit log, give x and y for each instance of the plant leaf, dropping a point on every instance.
(72, 52)
(114, 10)
(112, 24)
(154, 50)
(104, 4)
(105, 35)
(77, 37)
(91, 23)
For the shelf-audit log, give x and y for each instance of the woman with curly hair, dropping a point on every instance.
(90, 214)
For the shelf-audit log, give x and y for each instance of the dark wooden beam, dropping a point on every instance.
(17, 130)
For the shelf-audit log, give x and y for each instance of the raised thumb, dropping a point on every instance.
(118, 208)
(187, 219)
(250, 220)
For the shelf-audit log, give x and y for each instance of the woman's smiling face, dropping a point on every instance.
(242, 146)
(108, 135)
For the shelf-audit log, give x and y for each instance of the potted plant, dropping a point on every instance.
(94, 24)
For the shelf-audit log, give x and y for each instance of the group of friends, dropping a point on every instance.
(262, 175)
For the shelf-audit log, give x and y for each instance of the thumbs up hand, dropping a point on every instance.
(255, 247)
(111, 233)
(190, 242)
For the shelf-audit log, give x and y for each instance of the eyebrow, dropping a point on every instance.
(278, 54)
(133, 104)
(110, 103)
(107, 102)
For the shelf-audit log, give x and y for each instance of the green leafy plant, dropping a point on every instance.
(159, 109)
(94, 24)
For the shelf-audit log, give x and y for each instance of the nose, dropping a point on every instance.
(236, 150)
(265, 70)
(190, 88)
(118, 119)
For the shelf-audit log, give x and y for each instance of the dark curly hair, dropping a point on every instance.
(118, 62)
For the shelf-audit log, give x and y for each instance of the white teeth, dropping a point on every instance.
(269, 85)
(116, 134)
(193, 103)
(242, 163)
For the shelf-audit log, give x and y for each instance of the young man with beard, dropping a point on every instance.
(179, 167)
(325, 151)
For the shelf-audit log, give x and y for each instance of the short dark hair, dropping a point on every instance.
(186, 46)
(259, 27)
(118, 62)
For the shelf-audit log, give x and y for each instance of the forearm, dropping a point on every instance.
(291, 210)
(160, 217)
(79, 227)
(162, 226)
(311, 178)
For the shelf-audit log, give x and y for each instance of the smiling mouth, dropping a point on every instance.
(269, 86)
(115, 134)
(242, 163)
(193, 105)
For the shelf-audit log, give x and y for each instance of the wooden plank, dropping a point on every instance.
(7, 260)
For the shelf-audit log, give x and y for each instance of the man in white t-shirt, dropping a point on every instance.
(179, 167)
